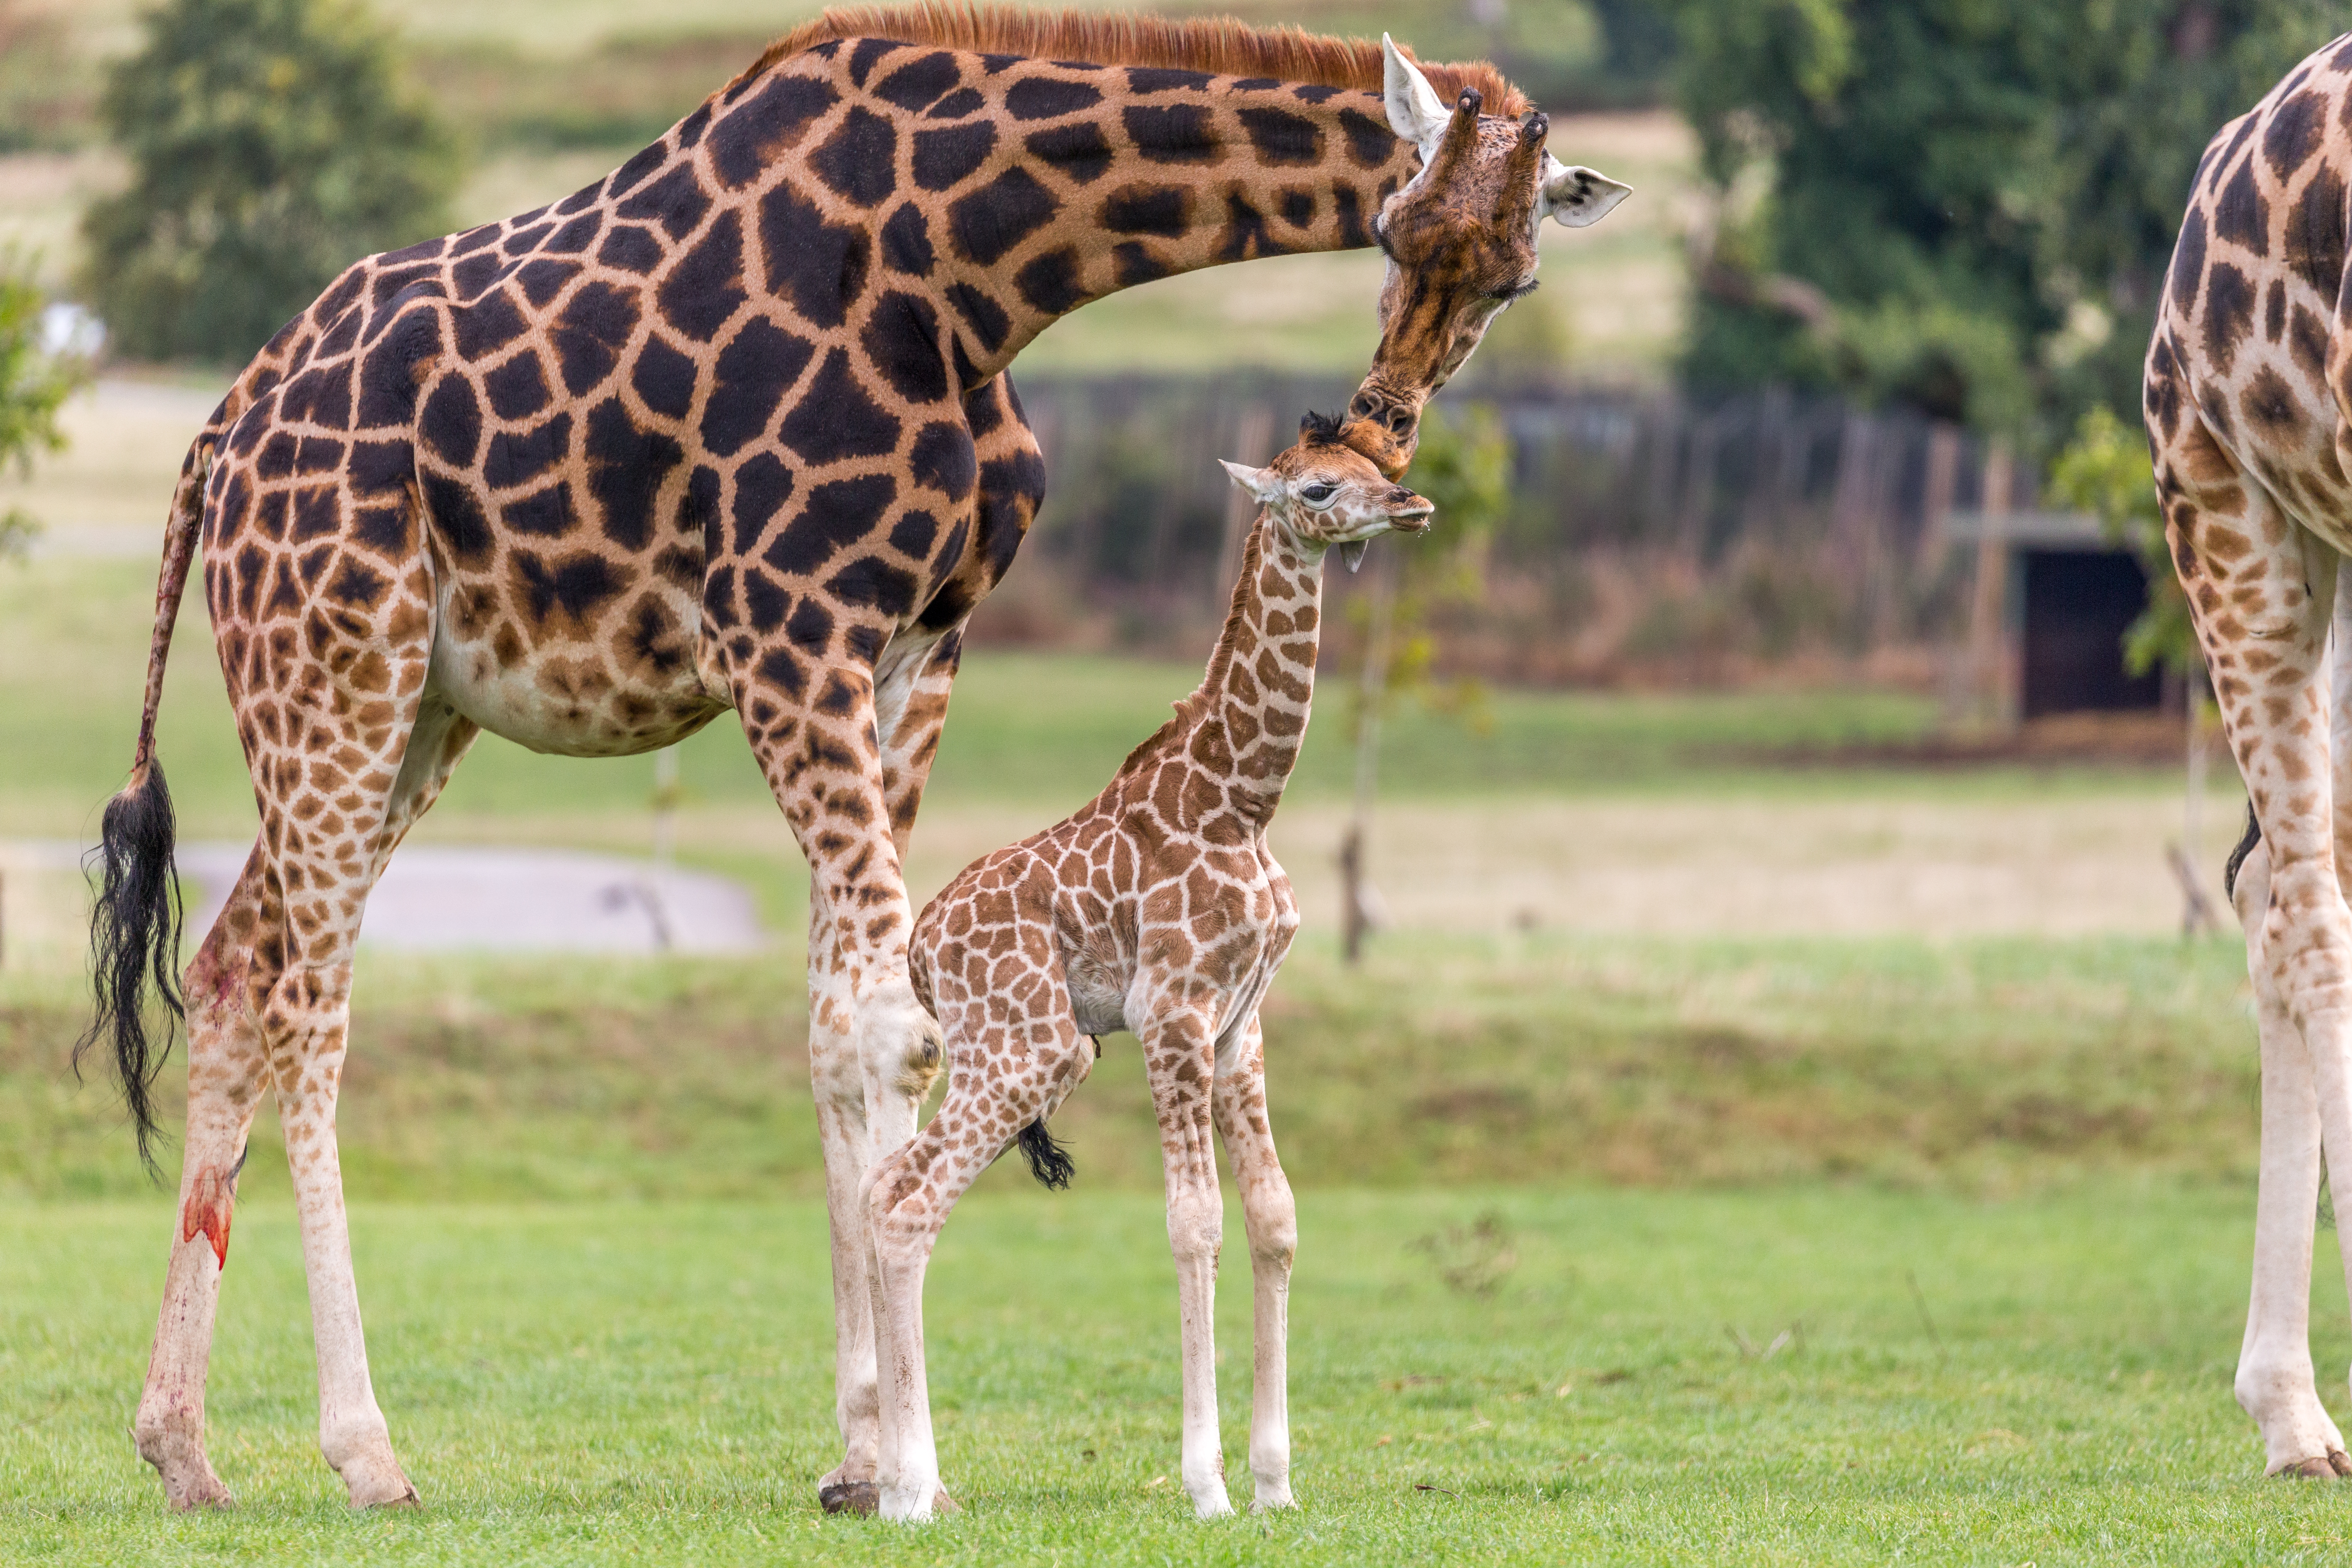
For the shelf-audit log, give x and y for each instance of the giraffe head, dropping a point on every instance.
(1326, 492)
(1461, 243)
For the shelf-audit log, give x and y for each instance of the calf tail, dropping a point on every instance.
(2230, 868)
(134, 923)
(1048, 1161)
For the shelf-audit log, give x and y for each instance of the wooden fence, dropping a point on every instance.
(1643, 527)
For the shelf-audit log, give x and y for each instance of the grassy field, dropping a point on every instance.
(2043, 1380)
(1990, 1066)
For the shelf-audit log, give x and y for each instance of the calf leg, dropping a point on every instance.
(1272, 1220)
(1181, 1059)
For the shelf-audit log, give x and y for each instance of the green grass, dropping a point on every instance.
(649, 1384)
(1986, 1066)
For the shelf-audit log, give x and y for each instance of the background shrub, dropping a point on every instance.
(271, 142)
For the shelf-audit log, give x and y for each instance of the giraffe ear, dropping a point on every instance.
(1577, 196)
(1415, 111)
(1260, 485)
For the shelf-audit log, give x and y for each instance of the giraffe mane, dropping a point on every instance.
(1222, 45)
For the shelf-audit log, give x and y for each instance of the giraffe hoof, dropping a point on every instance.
(862, 1498)
(2341, 1460)
(202, 1494)
(378, 1483)
(2318, 1469)
(189, 1483)
(942, 1503)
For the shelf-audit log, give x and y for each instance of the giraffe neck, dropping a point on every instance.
(1017, 190)
(1248, 717)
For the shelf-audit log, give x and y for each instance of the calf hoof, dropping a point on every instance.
(863, 1497)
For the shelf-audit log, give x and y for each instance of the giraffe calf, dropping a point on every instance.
(1158, 909)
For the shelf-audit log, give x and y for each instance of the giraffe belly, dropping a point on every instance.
(616, 693)
(1097, 996)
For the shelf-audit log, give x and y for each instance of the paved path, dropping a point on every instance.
(438, 897)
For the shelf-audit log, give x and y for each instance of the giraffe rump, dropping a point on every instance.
(1222, 46)
(1048, 1161)
(135, 935)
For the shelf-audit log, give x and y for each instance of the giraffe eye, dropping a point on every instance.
(1318, 493)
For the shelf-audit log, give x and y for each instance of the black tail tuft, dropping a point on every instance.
(2253, 836)
(1048, 1161)
(134, 933)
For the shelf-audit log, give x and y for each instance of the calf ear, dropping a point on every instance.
(1261, 485)
(1415, 111)
(1577, 196)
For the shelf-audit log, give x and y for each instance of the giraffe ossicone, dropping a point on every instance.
(728, 429)
(1156, 908)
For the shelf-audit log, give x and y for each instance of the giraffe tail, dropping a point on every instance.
(1048, 1161)
(135, 919)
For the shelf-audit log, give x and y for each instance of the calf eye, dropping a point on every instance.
(1318, 493)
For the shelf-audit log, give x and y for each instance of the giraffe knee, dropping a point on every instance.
(1196, 1226)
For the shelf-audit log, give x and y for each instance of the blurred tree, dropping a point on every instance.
(272, 143)
(33, 384)
(2104, 470)
(1464, 469)
(45, 84)
(1965, 205)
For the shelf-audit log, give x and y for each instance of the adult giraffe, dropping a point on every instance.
(2249, 410)
(728, 429)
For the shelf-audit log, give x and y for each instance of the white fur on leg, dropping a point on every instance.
(2274, 1381)
(838, 1080)
(352, 1433)
(1195, 1226)
(1271, 1216)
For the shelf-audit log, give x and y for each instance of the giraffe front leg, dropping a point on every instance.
(1271, 1217)
(873, 1049)
(838, 1082)
(2259, 588)
(226, 1073)
(1181, 1059)
(2274, 1381)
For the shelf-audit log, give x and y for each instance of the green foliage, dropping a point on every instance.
(272, 143)
(2106, 472)
(1463, 468)
(34, 386)
(1975, 198)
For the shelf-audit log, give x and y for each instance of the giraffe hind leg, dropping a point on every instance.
(1010, 1072)
(228, 1071)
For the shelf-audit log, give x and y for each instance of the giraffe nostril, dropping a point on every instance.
(1361, 408)
(1400, 421)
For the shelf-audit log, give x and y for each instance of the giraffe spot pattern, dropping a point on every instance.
(708, 431)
